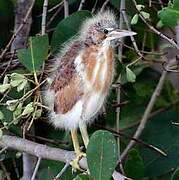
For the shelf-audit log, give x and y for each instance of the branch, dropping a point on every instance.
(44, 15)
(66, 8)
(154, 96)
(104, 5)
(147, 112)
(171, 41)
(81, 5)
(43, 151)
(18, 30)
(21, 38)
(123, 12)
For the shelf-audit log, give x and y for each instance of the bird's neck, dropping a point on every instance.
(99, 62)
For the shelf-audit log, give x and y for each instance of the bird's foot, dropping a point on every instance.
(75, 162)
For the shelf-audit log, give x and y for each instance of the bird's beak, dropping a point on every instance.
(117, 34)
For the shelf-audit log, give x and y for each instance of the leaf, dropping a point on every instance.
(5, 80)
(1, 115)
(4, 87)
(145, 14)
(38, 113)
(12, 104)
(83, 177)
(135, 19)
(102, 155)
(134, 166)
(1, 133)
(161, 133)
(67, 28)
(18, 110)
(28, 109)
(33, 57)
(131, 77)
(140, 7)
(22, 85)
(170, 15)
(49, 167)
(175, 175)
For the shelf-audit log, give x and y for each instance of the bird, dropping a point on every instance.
(82, 76)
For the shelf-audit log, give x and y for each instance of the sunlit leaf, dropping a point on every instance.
(130, 75)
(4, 87)
(28, 109)
(134, 20)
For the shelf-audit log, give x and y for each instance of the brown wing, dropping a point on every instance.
(67, 82)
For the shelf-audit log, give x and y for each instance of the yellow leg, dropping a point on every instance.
(84, 134)
(79, 154)
(75, 141)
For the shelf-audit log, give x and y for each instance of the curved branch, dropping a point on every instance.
(43, 151)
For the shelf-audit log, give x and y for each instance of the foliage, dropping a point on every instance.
(22, 109)
(102, 163)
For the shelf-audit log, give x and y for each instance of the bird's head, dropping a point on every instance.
(102, 28)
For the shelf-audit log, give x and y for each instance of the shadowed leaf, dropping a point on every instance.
(102, 155)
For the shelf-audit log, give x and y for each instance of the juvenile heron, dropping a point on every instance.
(83, 75)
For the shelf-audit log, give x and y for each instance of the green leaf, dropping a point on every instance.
(5, 80)
(18, 110)
(38, 113)
(140, 7)
(145, 14)
(102, 155)
(170, 15)
(1, 115)
(131, 77)
(28, 109)
(175, 175)
(161, 133)
(134, 166)
(33, 57)
(135, 19)
(12, 104)
(22, 85)
(4, 87)
(67, 28)
(1, 133)
(83, 177)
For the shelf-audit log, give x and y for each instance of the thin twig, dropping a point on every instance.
(123, 11)
(104, 5)
(5, 171)
(66, 8)
(81, 5)
(18, 30)
(94, 7)
(36, 168)
(2, 150)
(171, 41)
(54, 15)
(55, 7)
(139, 141)
(44, 15)
(59, 175)
(147, 112)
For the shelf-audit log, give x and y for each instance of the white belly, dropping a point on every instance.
(92, 106)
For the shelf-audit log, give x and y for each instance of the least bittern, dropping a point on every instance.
(83, 75)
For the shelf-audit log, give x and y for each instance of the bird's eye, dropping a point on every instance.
(105, 31)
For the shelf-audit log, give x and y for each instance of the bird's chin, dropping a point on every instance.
(114, 42)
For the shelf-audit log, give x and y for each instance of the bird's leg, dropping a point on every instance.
(84, 134)
(78, 152)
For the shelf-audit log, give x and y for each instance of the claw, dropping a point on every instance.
(75, 162)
